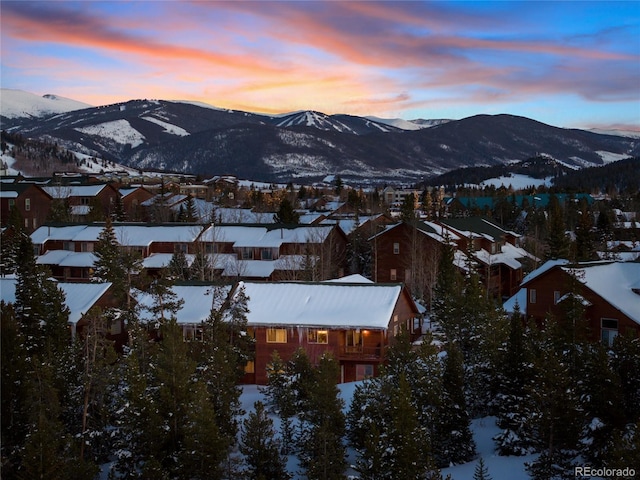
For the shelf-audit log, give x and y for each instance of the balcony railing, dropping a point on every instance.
(360, 351)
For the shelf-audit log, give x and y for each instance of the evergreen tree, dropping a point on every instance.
(322, 454)
(514, 409)
(108, 266)
(49, 452)
(178, 266)
(557, 242)
(119, 215)
(453, 442)
(286, 213)
(481, 472)
(408, 209)
(585, 245)
(557, 420)
(281, 395)
(261, 448)
(600, 397)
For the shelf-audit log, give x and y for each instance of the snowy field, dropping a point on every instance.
(507, 468)
(517, 181)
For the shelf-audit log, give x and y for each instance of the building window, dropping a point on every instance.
(363, 371)
(250, 367)
(353, 341)
(266, 254)
(191, 333)
(69, 246)
(27, 204)
(12, 203)
(315, 335)
(86, 247)
(609, 330)
(396, 248)
(116, 327)
(532, 295)
(276, 335)
(556, 297)
(247, 253)
(393, 274)
(180, 247)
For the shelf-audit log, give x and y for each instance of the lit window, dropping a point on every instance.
(276, 335)
(609, 331)
(532, 295)
(396, 248)
(250, 367)
(317, 336)
(393, 275)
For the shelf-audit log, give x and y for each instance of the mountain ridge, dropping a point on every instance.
(192, 138)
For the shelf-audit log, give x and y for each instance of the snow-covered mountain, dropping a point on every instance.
(193, 138)
(417, 124)
(339, 123)
(21, 104)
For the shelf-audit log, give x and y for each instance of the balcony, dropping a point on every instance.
(361, 352)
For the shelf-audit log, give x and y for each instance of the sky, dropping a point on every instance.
(565, 63)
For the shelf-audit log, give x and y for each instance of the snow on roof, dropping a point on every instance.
(127, 235)
(66, 258)
(520, 298)
(162, 260)
(508, 256)
(196, 307)
(614, 283)
(261, 237)
(242, 215)
(355, 278)
(548, 265)
(46, 233)
(79, 297)
(67, 191)
(10, 194)
(331, 305)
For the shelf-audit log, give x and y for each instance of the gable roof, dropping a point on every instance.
(127, 235)
(328, 305)
(79, 297)
(479, 225)
(614, 282)
(65, 191)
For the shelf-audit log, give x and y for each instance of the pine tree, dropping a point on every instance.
(481, 472)
(453, 441)
(178, 266)
(514, 409)
(322, 454)
(557, 242)
(585, 243)
(281, 395)
(557, 420)
(109, 266)
(261, 448)
(286, 213)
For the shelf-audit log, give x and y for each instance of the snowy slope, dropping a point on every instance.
(417, 124)
(18, 103)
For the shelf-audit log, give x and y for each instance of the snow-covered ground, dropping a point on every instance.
(517, 181)
(512, 468)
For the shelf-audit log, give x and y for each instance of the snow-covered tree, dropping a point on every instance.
(261, 447)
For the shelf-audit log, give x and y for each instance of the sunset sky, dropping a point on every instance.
(569, 64)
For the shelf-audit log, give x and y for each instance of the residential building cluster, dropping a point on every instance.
(342, 279)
